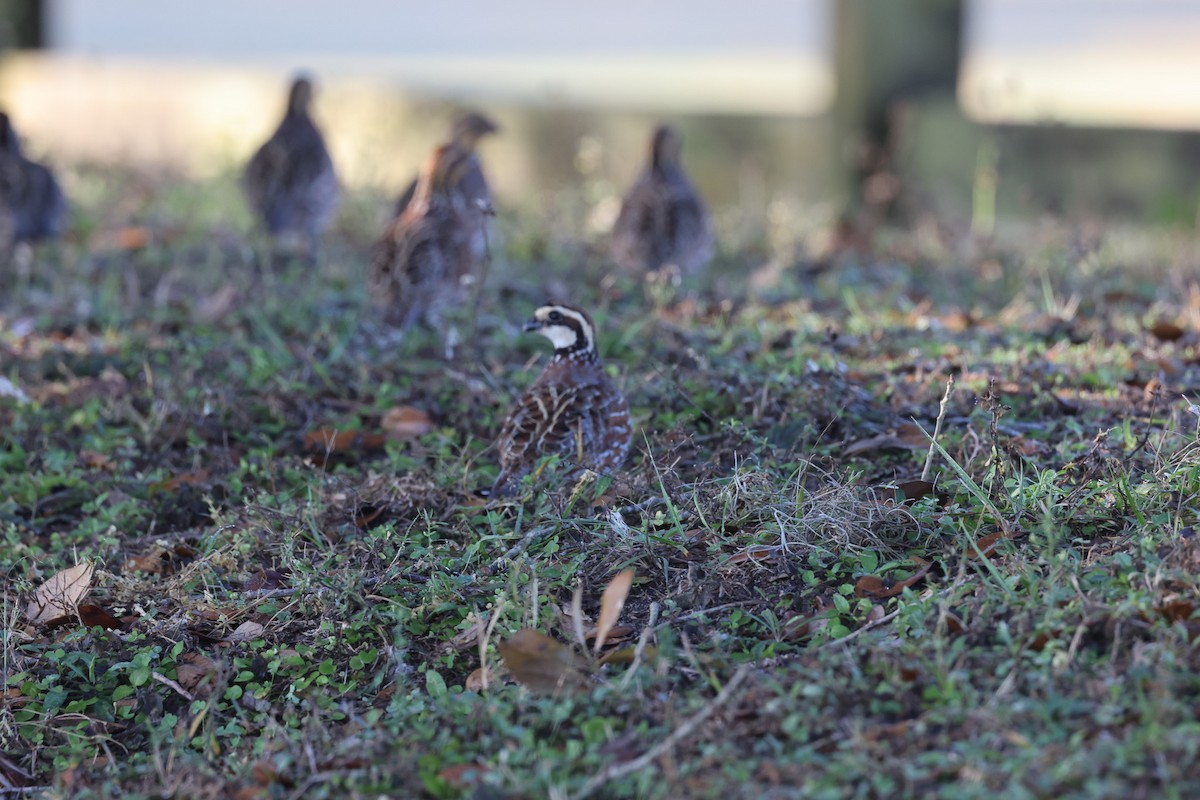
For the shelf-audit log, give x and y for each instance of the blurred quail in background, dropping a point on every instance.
(662, 222)
(419, 267)
(290, 181)
(32, 205)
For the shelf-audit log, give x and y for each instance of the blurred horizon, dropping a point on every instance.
(1121, 63)
(755, 57)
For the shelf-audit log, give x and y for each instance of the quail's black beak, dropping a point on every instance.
(532, 324)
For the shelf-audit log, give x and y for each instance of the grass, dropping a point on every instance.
(300, 617)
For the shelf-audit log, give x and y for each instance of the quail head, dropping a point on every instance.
(290, 181)
(419, 265)
(663, 222)
(32, 205)
(573, 409)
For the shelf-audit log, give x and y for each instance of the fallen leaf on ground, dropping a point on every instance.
(265, 580)
(93, 615)
(757, 554)
(247, 631)
(907, 436)
(543, 664)
(467, 638)
(801, 626)
(911, 491)
(131, 237)
(624, 655)
(611, 603)
(986, 545)
(199, 477)
(479, 680)
(161, 560)
(331, 440)
(1166, 331)
(406, 422)
(1177, 610)
(217, 305)
(464, 776)
(93, 460)
(194, 669)
(876, 588)
(60, 595)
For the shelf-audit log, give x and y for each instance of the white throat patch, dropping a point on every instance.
(559, 335)
(564, 335)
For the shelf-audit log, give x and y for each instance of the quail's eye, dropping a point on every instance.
(555, 316)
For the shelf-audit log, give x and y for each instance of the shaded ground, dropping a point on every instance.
(280, 501)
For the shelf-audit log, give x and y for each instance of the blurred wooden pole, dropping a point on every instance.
(886, 52)
(22, 24)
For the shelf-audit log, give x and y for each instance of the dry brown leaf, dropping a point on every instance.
(199, 477)
(882, 733)
(624, 655)
(331, 440)
(265, 580)
(405, 422)
(368, 514)
(876, 588)
(464, 776)
(956, 320)
(247, 631)
(1177, 610)
(1166, 331)
(128, 238)
(468, 638)
(543, 664)
(264, 774)
(93, 460)
(60, 595)
(611, 603)
(986, 545)
(479, 680)
(755, 553)
(194, 669)
(217, 305)
(93, 615)
(161, 560)
(913, 490)
(568, 616)
(906, 437)
(801, 626)
(615, 634)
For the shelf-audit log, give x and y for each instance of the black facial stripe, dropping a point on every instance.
(574, 324)
(581, 346)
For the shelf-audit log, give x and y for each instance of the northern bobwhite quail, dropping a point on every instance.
(290, 181)
(573, 409)
(418, 266)
(470, 193)
(662, 222)
(32, 204)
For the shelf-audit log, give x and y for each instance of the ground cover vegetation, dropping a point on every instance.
(917, 520)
